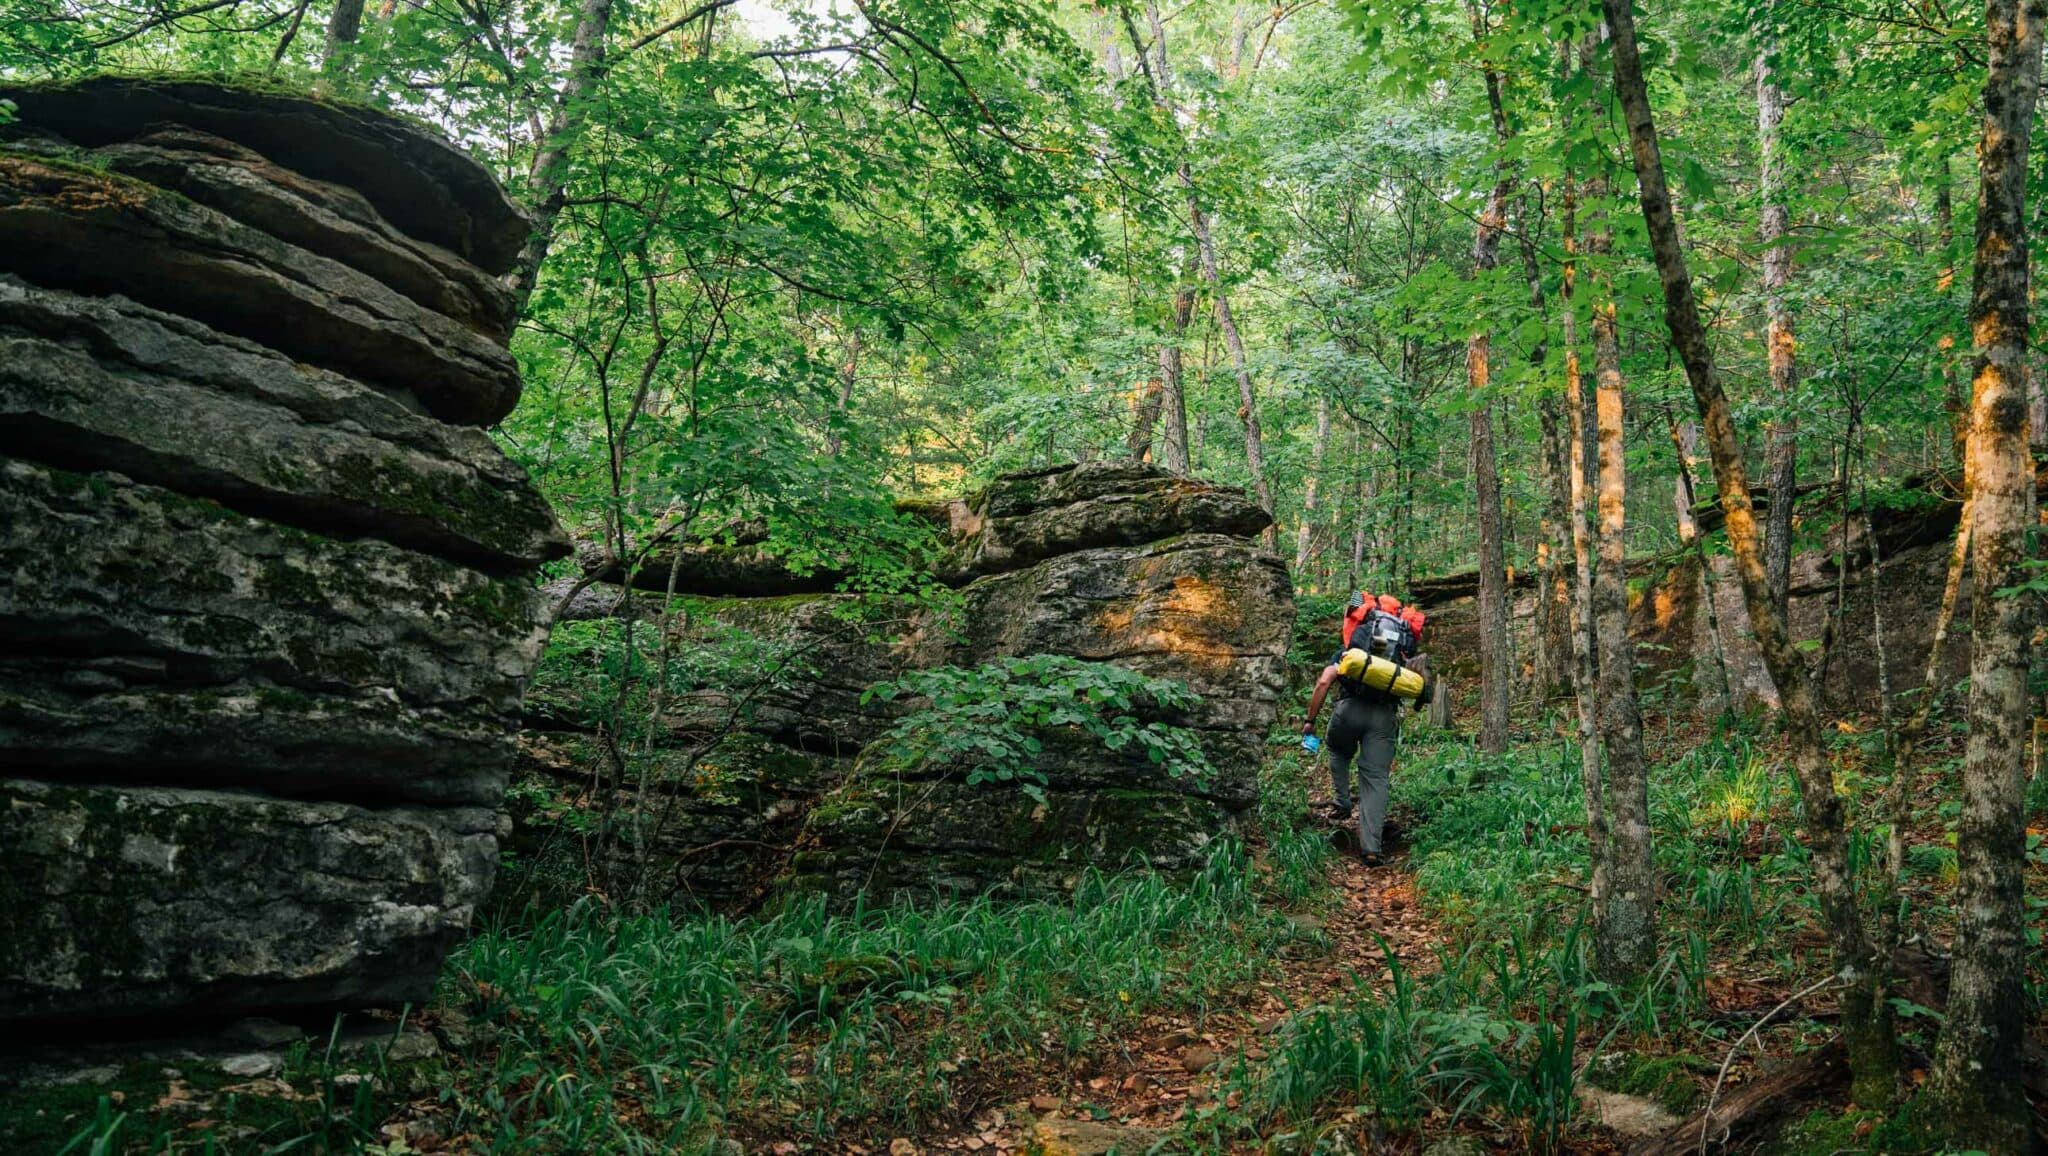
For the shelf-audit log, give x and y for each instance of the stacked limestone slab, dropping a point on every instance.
(266, 608)
(1109, 561)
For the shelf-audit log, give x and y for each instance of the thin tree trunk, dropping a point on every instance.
(1783, 446)
(1952, 400)
(547, 175)
(1495, 664)
(344, 25)
(1160, 78)
(1320, 449)
(849, 376)
(1247, 394)
(1144, 417)
(1978, 1071)
(1585, 648)
(1173, 392)
(1685, 439)
(1866, 1018)
(1553, 665)
(1625, 932)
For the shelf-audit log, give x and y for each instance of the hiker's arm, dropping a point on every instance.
(1315, 701)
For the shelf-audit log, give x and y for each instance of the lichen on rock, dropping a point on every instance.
(266, 594)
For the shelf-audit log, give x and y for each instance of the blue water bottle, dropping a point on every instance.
(1311, 744)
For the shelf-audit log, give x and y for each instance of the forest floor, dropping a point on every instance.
(1285, 1000)
(1146, 1083)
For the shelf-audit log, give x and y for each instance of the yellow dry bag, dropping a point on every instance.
(1382, 674)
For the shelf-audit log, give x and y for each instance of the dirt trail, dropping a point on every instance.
(1171, 1064)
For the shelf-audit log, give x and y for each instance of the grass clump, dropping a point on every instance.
(663, 1032)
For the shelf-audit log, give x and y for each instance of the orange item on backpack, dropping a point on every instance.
(1415, 619)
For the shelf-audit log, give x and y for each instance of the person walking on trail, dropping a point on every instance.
(1374, 672)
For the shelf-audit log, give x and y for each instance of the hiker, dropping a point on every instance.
(1374, 674)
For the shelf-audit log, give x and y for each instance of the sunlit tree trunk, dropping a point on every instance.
(1783, 445)
(1866, 1017)
(1580, 459)
(1625, 934)
(1978, 1073)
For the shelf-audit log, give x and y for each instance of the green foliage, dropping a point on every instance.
(796, 1020)
(993, 720)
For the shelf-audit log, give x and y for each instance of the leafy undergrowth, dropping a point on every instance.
(1280, 1000)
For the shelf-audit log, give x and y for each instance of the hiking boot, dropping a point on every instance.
(1337, 812)
(1373, 859)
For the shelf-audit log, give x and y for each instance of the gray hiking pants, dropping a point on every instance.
(1365, 730)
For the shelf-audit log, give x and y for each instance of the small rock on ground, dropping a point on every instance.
(252, 1064)
(1626, 1114)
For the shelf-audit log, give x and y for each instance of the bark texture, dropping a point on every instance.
(1625, 931)
(1866, 1017)
(1978, 1066)
(1495, 684)
(1584, 647)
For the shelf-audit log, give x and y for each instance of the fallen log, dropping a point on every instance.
(1769, 1099)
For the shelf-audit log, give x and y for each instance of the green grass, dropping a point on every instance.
(659, 1033)
(670, 1031)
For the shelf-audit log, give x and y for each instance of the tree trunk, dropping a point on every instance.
(1551, 670)
(1247, 395)
(1625, 933)
(1173, 452)
(547, 176)
(1866, 1017)
(1362, 528)
(1716, 692)
(1495, 663)
(1978, 1064)
(1783, 446)
(1320, 449)
(1144, 417)
(1952, 400)
(344, 25)
(1553, 664)
(1584, 646)
(1161, 80)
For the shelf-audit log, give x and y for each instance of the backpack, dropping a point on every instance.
(1380, 625)
(1387, 635)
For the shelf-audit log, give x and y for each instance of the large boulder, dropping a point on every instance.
(1111, 562)
(266, 596)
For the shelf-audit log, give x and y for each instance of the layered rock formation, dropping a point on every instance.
(266, 610)
(1682, 645)
(1108, 562)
